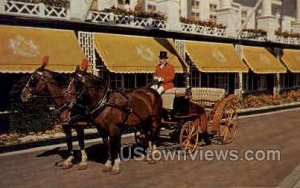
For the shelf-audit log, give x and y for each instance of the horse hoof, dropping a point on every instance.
(151, 161)
(107, 169)
(115, 171)
(67, 165)
(82, 166)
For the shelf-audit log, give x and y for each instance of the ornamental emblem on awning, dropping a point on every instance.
(217, 55)
(145, 53)
(264, 59)
(22, 47)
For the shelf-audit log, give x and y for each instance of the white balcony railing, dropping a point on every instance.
(130, 21)
(288, 40)
(32, 10)
(253, 36)
(203, 30)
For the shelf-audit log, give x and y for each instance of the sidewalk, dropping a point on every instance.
(292, 180)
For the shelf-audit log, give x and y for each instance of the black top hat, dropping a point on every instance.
(163, 55)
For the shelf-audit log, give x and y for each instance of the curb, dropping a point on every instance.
(292, 180)
(54, 141)
(89, 136)
(252, 111)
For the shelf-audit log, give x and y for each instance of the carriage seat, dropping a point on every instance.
(169, 96)
(207, 97)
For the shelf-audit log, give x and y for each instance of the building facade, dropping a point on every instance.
(198, 21)
(270, 15)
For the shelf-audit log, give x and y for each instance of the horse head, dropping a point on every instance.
(85, 88)
(36, 83)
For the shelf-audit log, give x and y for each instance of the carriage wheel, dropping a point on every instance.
(228, 125)
(140, 138)
(189, 136)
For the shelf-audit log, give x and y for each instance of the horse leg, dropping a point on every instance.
(154, 128)
(108, 163)
(115, 144)
(80, 135)
(68, 162)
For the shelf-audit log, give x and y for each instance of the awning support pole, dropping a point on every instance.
(276, 88)
(239, 91)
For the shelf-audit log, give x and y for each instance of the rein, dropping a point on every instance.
(46, 83)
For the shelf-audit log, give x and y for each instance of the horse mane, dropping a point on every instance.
(62, 79)
(96, 81)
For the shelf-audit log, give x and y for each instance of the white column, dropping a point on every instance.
(266, 8)
(227, 16)
(184, 9)
(226, 4)
(133, 3)
(79, 9)
(267, 21)
(103, 4)
(171, 9)
(298, 11)
(2, 4)
(296, 25)
(204, 10)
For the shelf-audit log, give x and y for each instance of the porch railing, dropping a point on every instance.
(124, 20)
(32, 10)
(203, 30)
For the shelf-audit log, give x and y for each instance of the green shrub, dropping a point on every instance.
(33, 116)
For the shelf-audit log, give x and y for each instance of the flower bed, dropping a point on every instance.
(137, 13)
(287, 34)
(15, 138)
(261, 100)
(52, 3)
(201, 23)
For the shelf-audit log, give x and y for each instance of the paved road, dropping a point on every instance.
(276, 131)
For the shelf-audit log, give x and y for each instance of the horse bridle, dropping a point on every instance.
(76, 95)
(36, 90)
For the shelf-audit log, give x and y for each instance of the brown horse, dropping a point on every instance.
(113, 109)
(43, 80)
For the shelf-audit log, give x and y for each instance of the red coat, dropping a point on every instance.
(167, 72)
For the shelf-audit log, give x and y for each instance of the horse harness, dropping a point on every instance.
(59, 109)
(103, 103)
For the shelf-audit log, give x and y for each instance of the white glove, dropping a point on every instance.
(160, 79)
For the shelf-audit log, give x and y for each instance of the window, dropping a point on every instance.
(195, 4)
(151, 8)
(244, 14)
(297, 79)
(143, 79)
(262, 82)
(129, 81)
(115, 81)
(212, 7)
(195, 15)
(213, 18)
(289, 80)
(120, 2)
(220, 80)
(195, 77)
(255, 82)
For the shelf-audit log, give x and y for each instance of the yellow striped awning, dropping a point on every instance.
(214, 57)
(22, 49)
(291, 58)
(134, 54)
(261, 61)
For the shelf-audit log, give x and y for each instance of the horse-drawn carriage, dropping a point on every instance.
(198, 114)
(186, 111)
